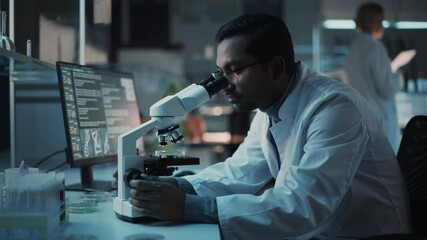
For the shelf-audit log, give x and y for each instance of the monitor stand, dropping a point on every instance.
(88, 184)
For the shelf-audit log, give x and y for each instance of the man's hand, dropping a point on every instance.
(158, 197)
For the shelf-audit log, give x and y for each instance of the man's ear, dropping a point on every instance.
(278, 66)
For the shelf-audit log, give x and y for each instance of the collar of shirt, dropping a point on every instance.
(273, 110)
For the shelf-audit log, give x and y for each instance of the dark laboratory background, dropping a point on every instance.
(168, 44)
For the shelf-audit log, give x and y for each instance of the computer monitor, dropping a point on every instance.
(98, 105)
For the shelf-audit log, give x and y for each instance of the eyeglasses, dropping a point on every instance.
(231, 74)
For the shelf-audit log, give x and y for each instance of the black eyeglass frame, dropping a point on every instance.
(229, 74)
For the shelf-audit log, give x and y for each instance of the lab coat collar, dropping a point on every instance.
(282, 130)
(280, 133)
(288, 109)
(273, 110)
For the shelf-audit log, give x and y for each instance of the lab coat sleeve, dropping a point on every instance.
(385, 81)
(246, 171)
(315, 184)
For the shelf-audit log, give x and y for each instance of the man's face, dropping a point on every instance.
(251, 84)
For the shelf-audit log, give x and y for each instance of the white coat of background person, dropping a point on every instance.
(368, 69)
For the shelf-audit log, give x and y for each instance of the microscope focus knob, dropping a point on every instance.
(130, 174)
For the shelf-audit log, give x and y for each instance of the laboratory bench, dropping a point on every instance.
(102, 223)
(98, 221)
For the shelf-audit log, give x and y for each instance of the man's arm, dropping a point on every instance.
(172, 199)
(197, 208)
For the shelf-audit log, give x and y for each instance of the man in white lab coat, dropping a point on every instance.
(368, 69)
(334, 173)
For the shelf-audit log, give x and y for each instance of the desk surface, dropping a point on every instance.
(103, 224)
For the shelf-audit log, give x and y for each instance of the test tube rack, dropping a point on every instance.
(33, 207)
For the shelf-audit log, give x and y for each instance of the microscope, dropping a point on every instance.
(163, 114)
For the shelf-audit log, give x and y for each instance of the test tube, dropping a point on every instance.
(29, 48)
(2, 185)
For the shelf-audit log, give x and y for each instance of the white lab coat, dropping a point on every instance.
(369, 71)
(337, 175)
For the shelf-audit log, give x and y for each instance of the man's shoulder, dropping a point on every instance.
(320, 82)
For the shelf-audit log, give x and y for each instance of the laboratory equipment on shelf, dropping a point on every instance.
(5, 41)
(163, 117)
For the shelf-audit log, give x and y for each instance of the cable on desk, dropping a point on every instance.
(47, 157)
(57, 167)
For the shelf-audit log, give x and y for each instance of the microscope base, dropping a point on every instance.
(136, 219)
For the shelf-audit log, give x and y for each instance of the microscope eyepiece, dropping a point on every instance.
(184, 101)
(214, 84)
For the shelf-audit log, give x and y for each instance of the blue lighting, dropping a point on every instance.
(386, 24)
(411, 25)
(350, 24)
(339, 24)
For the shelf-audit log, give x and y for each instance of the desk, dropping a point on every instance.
(105, 225)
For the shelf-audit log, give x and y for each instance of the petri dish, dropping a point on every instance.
(144, 236)
(82, 207)
(96, 197)
(78, 237)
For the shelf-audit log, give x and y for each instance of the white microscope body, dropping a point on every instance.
(163, 114)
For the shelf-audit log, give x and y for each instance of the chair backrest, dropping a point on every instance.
(412, 157)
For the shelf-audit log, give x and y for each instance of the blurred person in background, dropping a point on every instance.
(368, 69)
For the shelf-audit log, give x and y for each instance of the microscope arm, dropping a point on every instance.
(126, 144)
(163, 114)
(186, 100)
(178, 105)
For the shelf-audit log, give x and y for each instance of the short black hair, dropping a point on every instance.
(267, 35)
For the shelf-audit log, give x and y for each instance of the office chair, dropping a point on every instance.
(412, 157)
